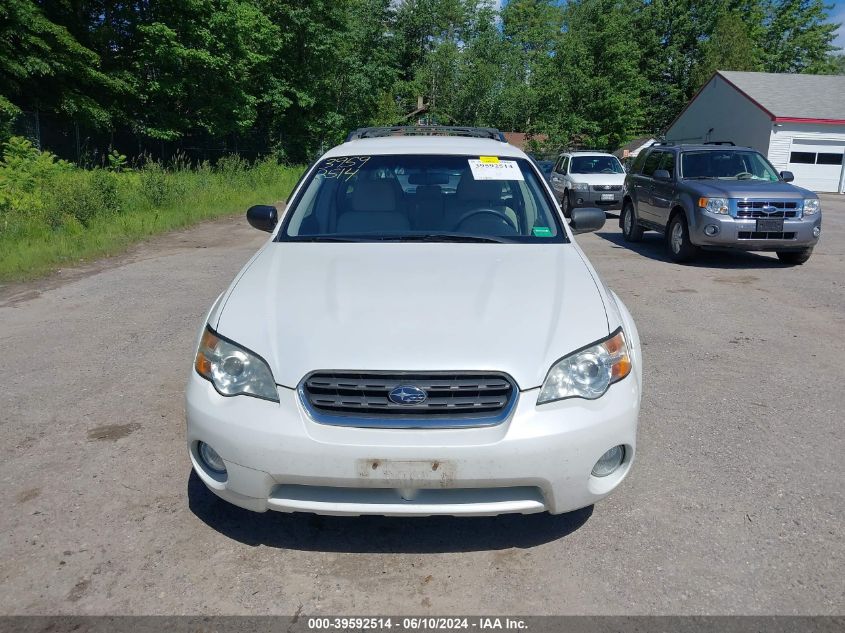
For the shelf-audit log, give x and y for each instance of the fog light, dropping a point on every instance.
(609, 462)
(210, 459)
(711, 229)
(817, 230)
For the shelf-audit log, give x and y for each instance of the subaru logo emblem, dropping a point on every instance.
(407, 394)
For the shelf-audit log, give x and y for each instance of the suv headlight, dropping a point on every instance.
(716, 206)
(589, 372)
(580, 186)
(811, 206)
(234, 370)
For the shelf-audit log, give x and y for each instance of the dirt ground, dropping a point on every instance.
(735, 505)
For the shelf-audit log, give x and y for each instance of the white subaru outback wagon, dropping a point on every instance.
(419, 336)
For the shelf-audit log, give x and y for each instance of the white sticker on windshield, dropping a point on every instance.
(499, 170)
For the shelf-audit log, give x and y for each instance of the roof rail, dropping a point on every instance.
(663, 143)
(720, 143)
(427, 130)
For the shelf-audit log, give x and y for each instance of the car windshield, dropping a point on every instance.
(726, 165)
(422, 198)
(596, 165)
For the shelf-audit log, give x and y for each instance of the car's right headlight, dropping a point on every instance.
(811, 206)
(232, 369)
(580, 186)
(588, 372)
(716, 206)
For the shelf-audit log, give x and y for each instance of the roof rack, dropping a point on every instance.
(427, 130)
(731, 143)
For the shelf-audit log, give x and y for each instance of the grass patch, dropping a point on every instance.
(54, 214)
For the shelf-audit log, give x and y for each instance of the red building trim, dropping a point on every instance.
(792, 119)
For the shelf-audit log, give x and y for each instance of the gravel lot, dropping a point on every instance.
(734, 507)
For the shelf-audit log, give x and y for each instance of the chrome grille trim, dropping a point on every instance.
(606, 187)
(455, 399)
(752, 208)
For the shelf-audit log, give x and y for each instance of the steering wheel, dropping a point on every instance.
(744, 175)
(499, 214)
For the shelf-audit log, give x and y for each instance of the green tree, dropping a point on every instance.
(43, 67)
(800, 38)
(729, 47)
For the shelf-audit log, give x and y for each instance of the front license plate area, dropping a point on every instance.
(607, 196)
(407, 473)
(770, 226)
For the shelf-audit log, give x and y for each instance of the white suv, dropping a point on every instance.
(588, 179)
(419, 336)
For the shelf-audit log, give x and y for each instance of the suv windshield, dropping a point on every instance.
(726, 165)
(596, 165)
(422, 198)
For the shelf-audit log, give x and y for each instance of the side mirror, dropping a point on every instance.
(662, 174)
(787, 176)
(586, 219)
(262, 217)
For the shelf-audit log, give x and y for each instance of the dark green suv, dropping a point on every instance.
(717, 195)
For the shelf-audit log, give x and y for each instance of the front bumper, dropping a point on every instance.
(742, 233)
(539, 459)
(594, 199)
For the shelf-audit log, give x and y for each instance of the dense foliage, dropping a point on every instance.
(298, 74)
(52, 211)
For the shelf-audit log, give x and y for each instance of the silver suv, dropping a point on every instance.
(588, 179)
(717, 195)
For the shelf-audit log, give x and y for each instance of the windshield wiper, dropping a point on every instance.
(441, 237)
(324, 238)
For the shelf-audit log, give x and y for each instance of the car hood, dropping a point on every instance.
(414, 307)
(748, 189)
(599, 179)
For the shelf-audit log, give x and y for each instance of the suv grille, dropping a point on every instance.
(453, 400)
(762, 235)
(607, 187)
(754, 209)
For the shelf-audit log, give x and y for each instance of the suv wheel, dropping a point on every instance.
(565, 205)
(631, 231)
(677, 239)
(795, 258)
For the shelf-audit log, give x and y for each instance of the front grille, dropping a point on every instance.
(607, 187)
(454, 399)
(754, 209)
(762, 235)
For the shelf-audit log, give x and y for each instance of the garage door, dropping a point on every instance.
(817, 165)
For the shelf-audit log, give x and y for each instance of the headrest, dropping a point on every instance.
(471, 189)
(374, 195)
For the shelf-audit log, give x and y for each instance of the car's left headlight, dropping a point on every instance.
(715, 206)
(580, 186)
(589, 372)
(811, 206)
(232, 369)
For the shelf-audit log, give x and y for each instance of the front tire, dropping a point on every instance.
(566, 205)
(678, 242)
(631, 231)
(795, 258)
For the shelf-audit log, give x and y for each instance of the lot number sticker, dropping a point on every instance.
(484, 169)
